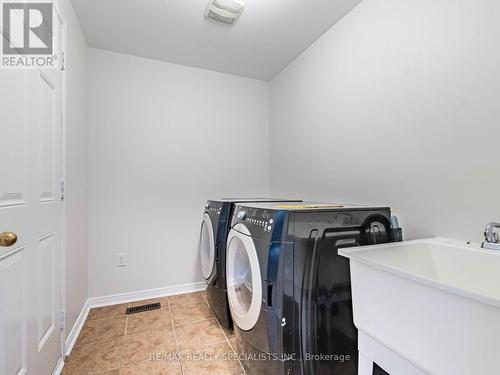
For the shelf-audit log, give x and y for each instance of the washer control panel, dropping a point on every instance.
(255, 218)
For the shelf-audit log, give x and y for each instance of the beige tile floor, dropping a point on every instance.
(182, 338)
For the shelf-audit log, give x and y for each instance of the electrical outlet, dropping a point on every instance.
(121, 260)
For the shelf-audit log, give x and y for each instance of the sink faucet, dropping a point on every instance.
(491, 237)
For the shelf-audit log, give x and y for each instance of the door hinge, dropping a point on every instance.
(63, 61)
(62, 190)
(62, 321)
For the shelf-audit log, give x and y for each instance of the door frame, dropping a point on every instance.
(62, 318)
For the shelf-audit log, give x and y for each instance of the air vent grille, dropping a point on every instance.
(142, 308)
(225, 11)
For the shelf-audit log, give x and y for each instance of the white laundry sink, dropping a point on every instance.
(427, 307)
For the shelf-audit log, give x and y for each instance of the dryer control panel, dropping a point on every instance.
(214, 207)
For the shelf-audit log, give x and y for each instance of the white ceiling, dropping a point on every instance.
(268, 36)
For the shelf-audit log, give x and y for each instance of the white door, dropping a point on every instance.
(31, 208)
(207, 246)
(244, 284)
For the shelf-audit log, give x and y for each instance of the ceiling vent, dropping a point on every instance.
(225, 11)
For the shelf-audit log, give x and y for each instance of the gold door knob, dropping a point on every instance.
(8, 239)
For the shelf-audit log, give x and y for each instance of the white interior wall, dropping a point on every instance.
(397, 104)
(76, 201)
(162, 139)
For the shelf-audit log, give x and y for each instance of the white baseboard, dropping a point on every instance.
(115, 299)
(77, 327)
(59, 367)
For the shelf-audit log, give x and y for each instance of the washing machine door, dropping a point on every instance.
(244, 284)
(207, 246)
